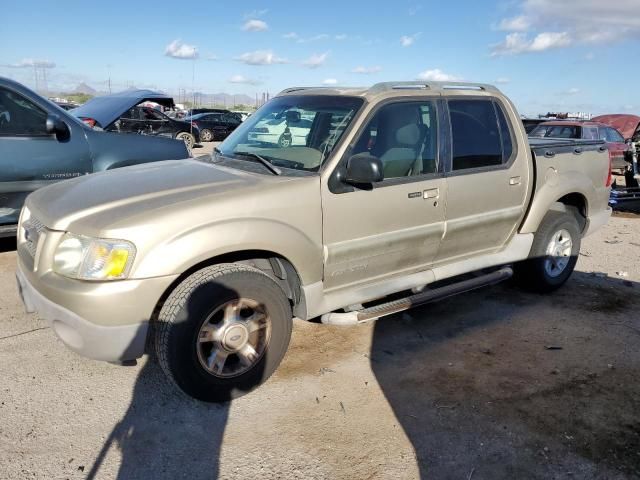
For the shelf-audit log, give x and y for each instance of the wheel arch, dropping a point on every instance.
(277, 267)
(567, 192)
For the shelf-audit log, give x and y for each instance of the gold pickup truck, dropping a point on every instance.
(391, 190)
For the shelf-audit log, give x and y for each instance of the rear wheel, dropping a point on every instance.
(188, 139)
(206, 135)
(554, 252)
(223, 331)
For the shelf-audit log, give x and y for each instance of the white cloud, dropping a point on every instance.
(244, 80)
(315, 38)
(503, 80)
(330, 81)
(31, 62)
(572, 91)
(367, 70)
(182, 51)
(321, 36)
(437, 75)
(415, 9)
(255, 14)
(408, 40)
(316, 60)
(260, 57)
(582, 23)
(520, 23)
(255, 26)
(517, 43)
(341, 36)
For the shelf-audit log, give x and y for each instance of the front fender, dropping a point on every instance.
(180, 253)
(556, 186)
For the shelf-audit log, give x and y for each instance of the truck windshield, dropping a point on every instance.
(294, 131)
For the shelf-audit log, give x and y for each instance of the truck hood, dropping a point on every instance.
(104, 200)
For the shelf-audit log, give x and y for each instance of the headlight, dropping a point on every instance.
(88, 258)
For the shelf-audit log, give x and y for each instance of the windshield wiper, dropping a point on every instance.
(272, 168)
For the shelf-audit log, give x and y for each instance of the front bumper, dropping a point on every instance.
(103, 321)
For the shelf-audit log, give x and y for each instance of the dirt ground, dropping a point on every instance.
(495, 384)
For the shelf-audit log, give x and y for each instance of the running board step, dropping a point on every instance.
(395, 306)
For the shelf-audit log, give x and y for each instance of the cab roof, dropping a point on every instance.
(394, 89)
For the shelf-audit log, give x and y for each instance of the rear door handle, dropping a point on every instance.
(431, 193)
(515, 181)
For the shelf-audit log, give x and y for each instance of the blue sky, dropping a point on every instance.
(564, 55)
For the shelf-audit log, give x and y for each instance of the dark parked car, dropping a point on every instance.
(532, 123)
(214, 126)
(196, 111)
(41, 143)
(122, 113)
(589, 131)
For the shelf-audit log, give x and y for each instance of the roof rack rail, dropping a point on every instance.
(386, 86)
(324, 87)
(294, 89)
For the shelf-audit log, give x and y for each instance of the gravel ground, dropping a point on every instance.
(489, 385)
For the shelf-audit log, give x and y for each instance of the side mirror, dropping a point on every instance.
(364, 168)
(55, 126)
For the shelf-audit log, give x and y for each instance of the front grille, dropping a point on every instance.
(32, 229)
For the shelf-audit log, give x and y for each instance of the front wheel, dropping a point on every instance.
(284, 141)
(223, 331)
(554, 252)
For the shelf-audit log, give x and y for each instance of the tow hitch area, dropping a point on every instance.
(373, 313)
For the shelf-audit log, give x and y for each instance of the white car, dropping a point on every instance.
(274, 131)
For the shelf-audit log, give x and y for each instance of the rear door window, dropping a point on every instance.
(476, 138)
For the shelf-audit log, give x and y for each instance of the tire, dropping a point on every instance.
(284, 142)
(558, 232)
(197, 312)
(206, 135)
(187, 138)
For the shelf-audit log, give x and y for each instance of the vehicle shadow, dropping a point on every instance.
(500, 383)
(7, 244)
(164, 433)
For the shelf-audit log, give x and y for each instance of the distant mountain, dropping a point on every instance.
(86, 89)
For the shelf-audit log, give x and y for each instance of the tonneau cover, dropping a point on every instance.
(540, 143)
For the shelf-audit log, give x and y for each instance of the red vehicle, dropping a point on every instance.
(591, 130)
(627, 125)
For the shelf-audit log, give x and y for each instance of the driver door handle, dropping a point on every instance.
(431, 193)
